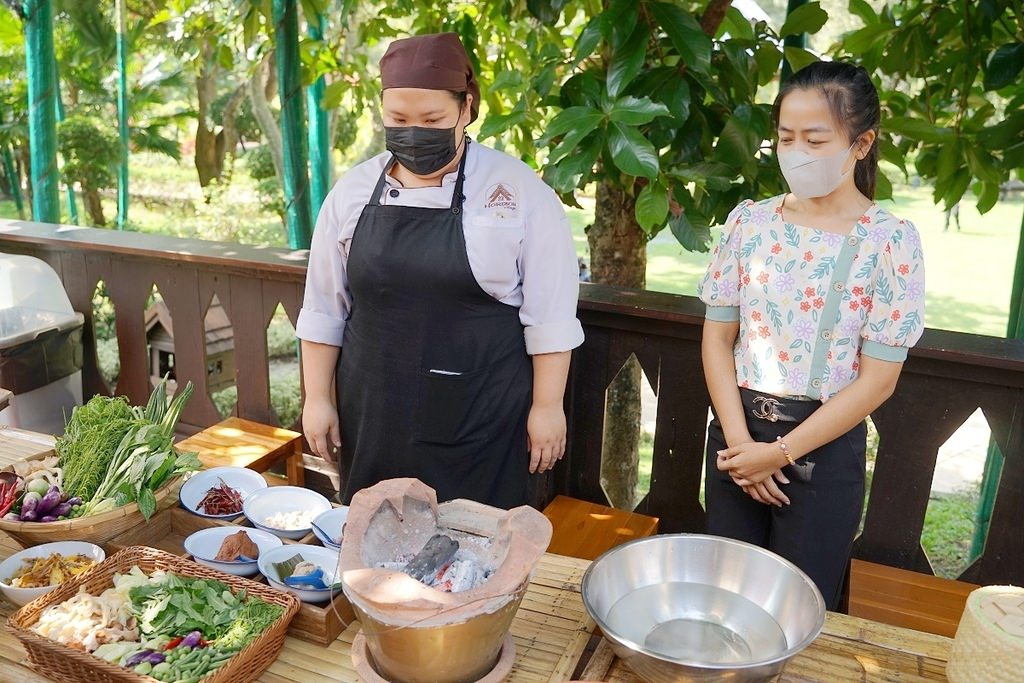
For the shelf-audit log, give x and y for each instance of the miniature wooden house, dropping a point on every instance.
(219, 340)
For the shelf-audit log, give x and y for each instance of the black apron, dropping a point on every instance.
(433, 380)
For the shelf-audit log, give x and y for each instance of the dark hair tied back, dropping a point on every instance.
(853, 101)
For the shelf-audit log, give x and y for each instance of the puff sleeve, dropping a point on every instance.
(720, 287)
(895, 321)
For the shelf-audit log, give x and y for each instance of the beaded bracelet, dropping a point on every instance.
(785, 450)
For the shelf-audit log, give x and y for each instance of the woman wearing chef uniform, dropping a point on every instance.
(440, 304)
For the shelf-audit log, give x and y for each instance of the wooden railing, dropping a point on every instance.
(948, 376)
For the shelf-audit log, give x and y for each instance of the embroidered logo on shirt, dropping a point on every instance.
(501, 196)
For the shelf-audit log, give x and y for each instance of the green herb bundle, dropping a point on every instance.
(145, 459)
(90, 440)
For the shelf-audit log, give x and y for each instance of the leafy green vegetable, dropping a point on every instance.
(174, 605)
(90, 440)
(256, 617)
(145, 459)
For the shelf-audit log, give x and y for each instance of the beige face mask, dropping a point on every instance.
(810, 176)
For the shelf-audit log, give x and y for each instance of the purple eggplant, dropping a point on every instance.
(29, 506)
(48, 518)
(191, 640)
(62, 510)
(139, 657)
(49, 501)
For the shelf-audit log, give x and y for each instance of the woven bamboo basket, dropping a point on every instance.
(985, 651)
(95, 529)
(62, 663)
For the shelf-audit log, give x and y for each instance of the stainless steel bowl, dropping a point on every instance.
(689, 607)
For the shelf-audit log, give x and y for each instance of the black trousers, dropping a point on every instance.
(826, 492)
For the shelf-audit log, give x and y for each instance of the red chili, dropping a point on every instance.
(174, 642)
(221, 500)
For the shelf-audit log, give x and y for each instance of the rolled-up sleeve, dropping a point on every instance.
(550, 276)
(327, 301)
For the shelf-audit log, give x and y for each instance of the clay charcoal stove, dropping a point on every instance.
(435, 587)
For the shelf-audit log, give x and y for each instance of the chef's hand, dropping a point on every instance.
(545, 436)
(320, 425)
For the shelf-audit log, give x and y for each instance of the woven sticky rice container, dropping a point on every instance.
(989, 642)
(62, 663)
(95, 528)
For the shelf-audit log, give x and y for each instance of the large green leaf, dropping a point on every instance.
(690, 41)
(627, 61)
(636, 111)
(736, 25)
(632, 153)
(862, 9)
(1004, 65)
(768, 57)
(496, 124)
(573, 170)
(918, 129)
(892, 154)
(571, 119)
(988, 195)
(739, 139)
(798, 57)
(652, 206)
(587, 42)
(863, 40)
(883, 188)
(807, 18)
(694, 235)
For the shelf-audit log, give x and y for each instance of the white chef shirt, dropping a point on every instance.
(518, 241)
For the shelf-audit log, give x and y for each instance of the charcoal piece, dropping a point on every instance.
(436, 553)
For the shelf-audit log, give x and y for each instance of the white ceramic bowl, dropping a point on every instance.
(243, 480)
(22, 596)
(204, 545)
(322, 557)
(284, 499)
(328, 526)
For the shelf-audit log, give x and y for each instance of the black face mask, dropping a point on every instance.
(421, 150)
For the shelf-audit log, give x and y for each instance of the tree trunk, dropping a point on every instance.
(714, 15)
(206, 141)
(93, 206)
(227, 137)
(261, 88)
(618, 256)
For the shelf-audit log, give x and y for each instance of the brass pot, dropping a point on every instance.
(461, 652)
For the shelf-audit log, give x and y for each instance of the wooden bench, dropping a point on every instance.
(904, 598)
(243, 443)
(585, 530)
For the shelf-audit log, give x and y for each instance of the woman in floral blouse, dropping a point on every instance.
(813, 299)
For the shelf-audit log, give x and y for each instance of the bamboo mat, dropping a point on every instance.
(18, 444)
(550, 630)
(848, 649)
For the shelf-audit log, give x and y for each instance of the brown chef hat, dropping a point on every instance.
(435, 61)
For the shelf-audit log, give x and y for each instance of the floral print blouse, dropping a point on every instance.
(810, 302)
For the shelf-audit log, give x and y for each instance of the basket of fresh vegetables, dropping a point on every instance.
(114, 466)
(144, 615)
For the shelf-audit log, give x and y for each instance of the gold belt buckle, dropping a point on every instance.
(765, 408)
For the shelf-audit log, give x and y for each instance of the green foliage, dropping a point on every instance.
(950, 83)
(90, 150)
(245, 122)
(260, 161)
(643, 99)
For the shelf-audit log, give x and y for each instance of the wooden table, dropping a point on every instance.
(243, 443)
(849, 649)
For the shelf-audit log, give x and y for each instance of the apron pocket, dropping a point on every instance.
(449, 406)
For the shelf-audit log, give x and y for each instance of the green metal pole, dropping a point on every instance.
(319, 134)
(69, 189)
(293, 124)
(122, 115)
(994, 461)
(798, 40)
(14, 181)
(42, 120)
